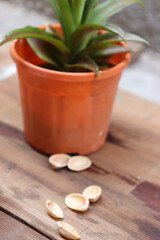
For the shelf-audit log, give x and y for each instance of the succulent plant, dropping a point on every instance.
(81, 47)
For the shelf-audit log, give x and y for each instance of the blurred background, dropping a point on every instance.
(142, 78)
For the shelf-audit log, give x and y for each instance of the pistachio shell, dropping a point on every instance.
(77, 202)
(79, 163)
(59, 160)
(54, 209)
(93, 193)
(67, 231)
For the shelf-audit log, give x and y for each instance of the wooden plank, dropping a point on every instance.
(11, 229)
(125, 167)
(118, 213)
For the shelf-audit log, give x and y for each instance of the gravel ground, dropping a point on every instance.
(18, 16)
(141, 78)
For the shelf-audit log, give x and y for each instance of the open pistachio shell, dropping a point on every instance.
(79, 163)
(59, 160)
(77, 202)
(67, 231)
(93, 193)
(54, 209)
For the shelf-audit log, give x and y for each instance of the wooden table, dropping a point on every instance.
(127, 168)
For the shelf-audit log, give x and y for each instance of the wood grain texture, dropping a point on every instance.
(11, 229)
(127, 168)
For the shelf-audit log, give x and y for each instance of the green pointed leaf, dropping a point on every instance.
(110, 50)
(82, 32)
(66, 17)
(103, 37)
(89, 6)
(130, 37)
(115, 29)
(54, 31)
(109, 8)
(99, 45)
(33, 32)
(55, 7)
(43, 50)
(85, 63)
(57, 12)
(78, 8)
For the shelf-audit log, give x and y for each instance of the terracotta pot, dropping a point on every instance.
(65, 112)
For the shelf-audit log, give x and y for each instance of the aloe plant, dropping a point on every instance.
(81, 48)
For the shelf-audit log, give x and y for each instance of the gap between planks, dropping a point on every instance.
(25, 223)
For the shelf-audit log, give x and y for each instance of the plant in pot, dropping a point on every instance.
(69, 74)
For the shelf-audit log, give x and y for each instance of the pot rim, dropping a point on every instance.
(70, 76)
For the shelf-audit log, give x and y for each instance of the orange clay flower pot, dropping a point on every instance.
(65, 112)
